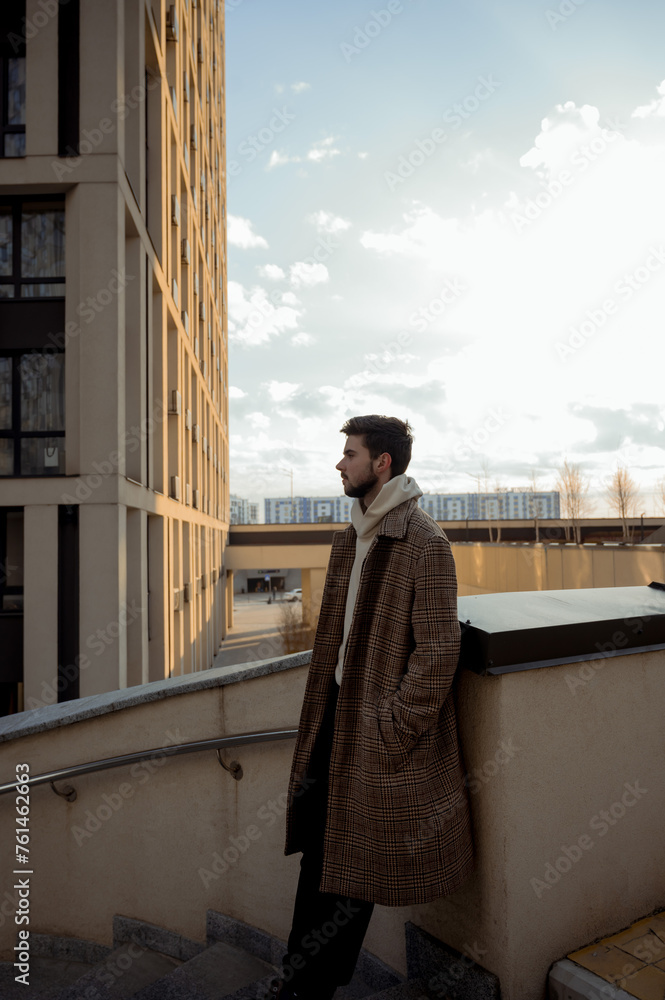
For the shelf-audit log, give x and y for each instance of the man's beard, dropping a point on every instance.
(362, 488)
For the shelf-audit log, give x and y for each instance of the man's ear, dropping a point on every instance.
(385, 461)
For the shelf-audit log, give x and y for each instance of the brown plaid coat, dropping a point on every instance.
(398, 827)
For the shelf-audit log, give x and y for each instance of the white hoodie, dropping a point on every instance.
(393, 493)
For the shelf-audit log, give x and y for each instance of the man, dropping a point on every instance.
(378, 804)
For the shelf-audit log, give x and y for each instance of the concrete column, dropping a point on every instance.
(160, 599)
(105, 613)
(137, 596)
(40, 616)
(228, 594)
(42, 91)
(312, 592)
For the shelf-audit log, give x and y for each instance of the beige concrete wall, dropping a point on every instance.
(547, 752)
(485, 569)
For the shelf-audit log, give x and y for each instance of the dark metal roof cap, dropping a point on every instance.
(537, 628)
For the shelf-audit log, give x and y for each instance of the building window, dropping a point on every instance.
(32, 249)
(32, 413)
(12, 78)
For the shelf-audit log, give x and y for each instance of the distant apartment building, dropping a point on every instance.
(499, 506)
(308, 510)
(243, 511)
(114, 500)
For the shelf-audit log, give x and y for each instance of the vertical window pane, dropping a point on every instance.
(13, 568)
(42, 242)
(15, 144)
(6, 457)
(16, 91)
(5, 394)
(42, 378)
(6, 242)
(41, 456)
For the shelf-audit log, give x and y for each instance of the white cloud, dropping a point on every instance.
(289, 299)
(299, 87)
(272, 271)
(326, 222)
(255, 317)
(240, 234)
(323, 150)
(278, 159)
(258, 420)
(280, 391)
(302, 339)
(656, 108)
(363, 156)
(236, 393)
(307, 275)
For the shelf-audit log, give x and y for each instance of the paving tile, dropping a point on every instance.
(635, 930)
(647, 984)
(649, 948)
(610, 964)
(657, 925)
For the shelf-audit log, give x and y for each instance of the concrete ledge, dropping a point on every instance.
(66, 713)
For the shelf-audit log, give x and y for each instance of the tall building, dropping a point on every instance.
(243, 511)
(114, 503)
(500, 506)
(308, 510)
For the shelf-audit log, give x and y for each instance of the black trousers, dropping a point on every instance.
(327, 931)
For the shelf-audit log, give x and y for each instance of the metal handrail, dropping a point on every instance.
(219, 743)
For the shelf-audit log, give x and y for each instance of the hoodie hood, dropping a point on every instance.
(393, 493)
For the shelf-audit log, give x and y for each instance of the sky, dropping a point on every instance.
(450, 212)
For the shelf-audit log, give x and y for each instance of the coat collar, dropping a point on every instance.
(394, 523)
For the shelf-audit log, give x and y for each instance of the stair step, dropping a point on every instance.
(217, 973)
(46, 972)
(120, 975)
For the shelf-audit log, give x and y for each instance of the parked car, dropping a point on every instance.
(293, 595)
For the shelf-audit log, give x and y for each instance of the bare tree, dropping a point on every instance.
(573, 486)
(660, 495)
(501, 505)
(623, 494)
(483, 488)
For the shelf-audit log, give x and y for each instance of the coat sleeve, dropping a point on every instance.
(415, 706)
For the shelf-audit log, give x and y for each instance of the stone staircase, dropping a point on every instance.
(236, 963)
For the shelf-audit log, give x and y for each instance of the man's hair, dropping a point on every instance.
(383, 434)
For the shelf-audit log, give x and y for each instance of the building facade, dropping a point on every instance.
(114, 503)
(508, 505)
(243, 511)
(308, 510)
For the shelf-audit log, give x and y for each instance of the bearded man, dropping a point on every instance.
(377, 799)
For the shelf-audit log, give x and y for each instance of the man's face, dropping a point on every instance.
(357, 468)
